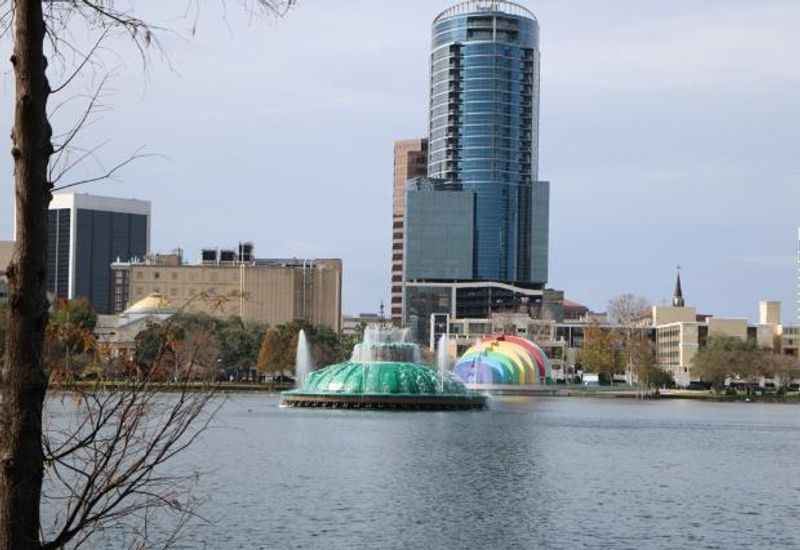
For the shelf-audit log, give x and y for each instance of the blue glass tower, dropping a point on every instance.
(484, 124)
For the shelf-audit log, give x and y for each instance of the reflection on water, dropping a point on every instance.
(528, 473)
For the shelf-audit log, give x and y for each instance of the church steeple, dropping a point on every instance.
(677, 295)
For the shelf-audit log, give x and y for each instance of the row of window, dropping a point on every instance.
(519, 61)
(477, 121)
(482, 107)
(513, 155)
(466, 73)
(464, 133)
(481, 84)
(482, 49)
(493, 96)
(192, 276)
(486, 164)
(463, 34)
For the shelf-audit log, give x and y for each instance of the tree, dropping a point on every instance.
(641, 352)
(69, 337)
(627, 309)
(600, 353)
(239, 343)
(784, 369)
(23, 379)
(725, 357)
(78, 312)
(270, 354)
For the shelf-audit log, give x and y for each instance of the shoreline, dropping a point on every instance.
(603, 392)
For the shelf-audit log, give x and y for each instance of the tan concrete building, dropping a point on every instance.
(664, 315)
(410, 160)
(270, 291)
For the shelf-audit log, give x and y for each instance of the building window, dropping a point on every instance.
(156, 275)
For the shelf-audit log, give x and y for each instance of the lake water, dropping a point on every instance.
(528, 473)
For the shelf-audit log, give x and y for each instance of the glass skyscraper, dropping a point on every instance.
(483, 132)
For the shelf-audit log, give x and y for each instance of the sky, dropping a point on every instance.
(669, 133)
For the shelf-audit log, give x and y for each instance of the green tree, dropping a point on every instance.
(78, 312)
(151, 345)
(600, 353)
(725, 357)
(70, 338)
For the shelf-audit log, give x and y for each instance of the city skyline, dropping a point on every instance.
(716, 82)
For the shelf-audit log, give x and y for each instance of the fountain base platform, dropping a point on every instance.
(390, 402)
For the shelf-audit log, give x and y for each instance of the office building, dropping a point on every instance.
(86, 233)
(429, 304)
(227, 282)
(410, 161)
(439, 235)
(483, 133)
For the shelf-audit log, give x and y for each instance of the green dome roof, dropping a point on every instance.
(379, 378)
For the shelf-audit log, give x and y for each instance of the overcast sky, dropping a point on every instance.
(670, 132)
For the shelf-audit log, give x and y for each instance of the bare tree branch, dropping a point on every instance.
(108, 174)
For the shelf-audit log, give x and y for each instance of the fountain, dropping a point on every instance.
(384, 372)
(442, 359)
(303, 362)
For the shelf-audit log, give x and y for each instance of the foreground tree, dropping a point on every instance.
(23, 380)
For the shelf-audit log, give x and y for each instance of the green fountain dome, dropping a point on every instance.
(385, 371)
(380, 378)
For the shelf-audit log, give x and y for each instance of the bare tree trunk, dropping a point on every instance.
(23, 382)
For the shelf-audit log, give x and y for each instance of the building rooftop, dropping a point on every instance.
(485, 6)
(153, 304)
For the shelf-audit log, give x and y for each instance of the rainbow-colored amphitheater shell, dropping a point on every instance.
(504, 360)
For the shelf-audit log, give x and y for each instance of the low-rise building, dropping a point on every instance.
(116, 334)
(681, 333)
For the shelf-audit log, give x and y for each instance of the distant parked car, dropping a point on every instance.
(282, 379)
(591, 379)
(698, 385)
